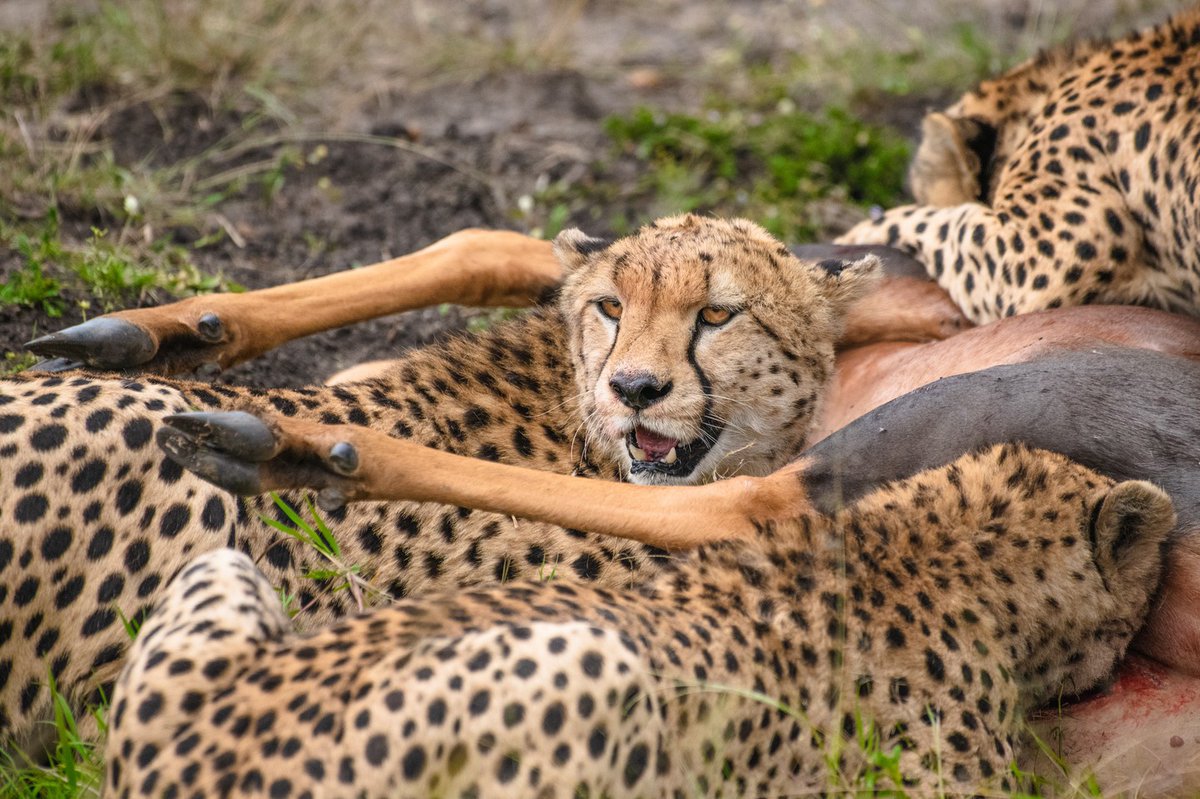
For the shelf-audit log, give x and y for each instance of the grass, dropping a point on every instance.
(801, 175)
(104, 270)
(318, 536)
(775, 167)
(75, 767)
(855, 74)
(87, 233)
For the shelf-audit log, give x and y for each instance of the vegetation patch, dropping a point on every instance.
(783, 168)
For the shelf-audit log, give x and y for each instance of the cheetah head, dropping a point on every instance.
(1071, 571)
(701, 347)
(964, 147)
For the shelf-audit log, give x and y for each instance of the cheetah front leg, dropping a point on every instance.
(1050, 244)
(250, 455)
(485, 268)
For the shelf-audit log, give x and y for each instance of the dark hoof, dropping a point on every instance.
(103, 343)
(210, 329)
(237, 434)
(216, 467)
(343, 457)
(56, 365)
(331, 499)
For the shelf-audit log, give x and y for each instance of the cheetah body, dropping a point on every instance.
(97, 520)
(1069, 180)
(927, 616)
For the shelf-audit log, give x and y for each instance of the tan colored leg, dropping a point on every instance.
(472, 267)
(361, 371)
(251, 455)
(903, 309)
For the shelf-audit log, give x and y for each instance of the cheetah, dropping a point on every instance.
(692, 349)
(928, 616)
(1069, 180)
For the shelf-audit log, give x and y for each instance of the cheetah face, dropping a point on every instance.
(701, 347)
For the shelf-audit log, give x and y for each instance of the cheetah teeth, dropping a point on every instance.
(639, 454)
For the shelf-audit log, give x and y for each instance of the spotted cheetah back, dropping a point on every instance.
(746, 669)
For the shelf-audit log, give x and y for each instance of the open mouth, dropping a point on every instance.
(658, 454)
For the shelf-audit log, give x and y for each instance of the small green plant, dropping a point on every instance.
(76, 763)
(492, 317)
(288, 599)
(320, 537)
(15, 362)
(773, 167)
(114, 273)
(132, 624)
(31, 286)
(548, 575)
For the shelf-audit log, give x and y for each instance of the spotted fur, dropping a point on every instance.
(1069, 180)
(746, 389)
(933, 612)
(97, 520)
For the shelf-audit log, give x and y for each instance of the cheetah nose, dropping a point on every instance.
(639, 390)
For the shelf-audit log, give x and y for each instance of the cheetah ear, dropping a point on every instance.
(572, 247)
(844, 282)
(948, 166)
(1128, 528)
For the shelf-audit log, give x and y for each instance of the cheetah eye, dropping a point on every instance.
(713, 316)
(610, 308)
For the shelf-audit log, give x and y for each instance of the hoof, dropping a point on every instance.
(103, 343)
(331, 499)
(57, 365)
(236, 434)
(210, 328)
(343, 457)
(238, 477)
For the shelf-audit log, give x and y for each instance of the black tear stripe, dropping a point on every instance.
(1092, 522)
(582, 361)
(612, 346)
(787, 353)
(709, 426)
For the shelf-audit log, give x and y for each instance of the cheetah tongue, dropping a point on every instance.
(651, 446)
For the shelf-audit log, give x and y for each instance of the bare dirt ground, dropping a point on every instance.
(393, 124)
